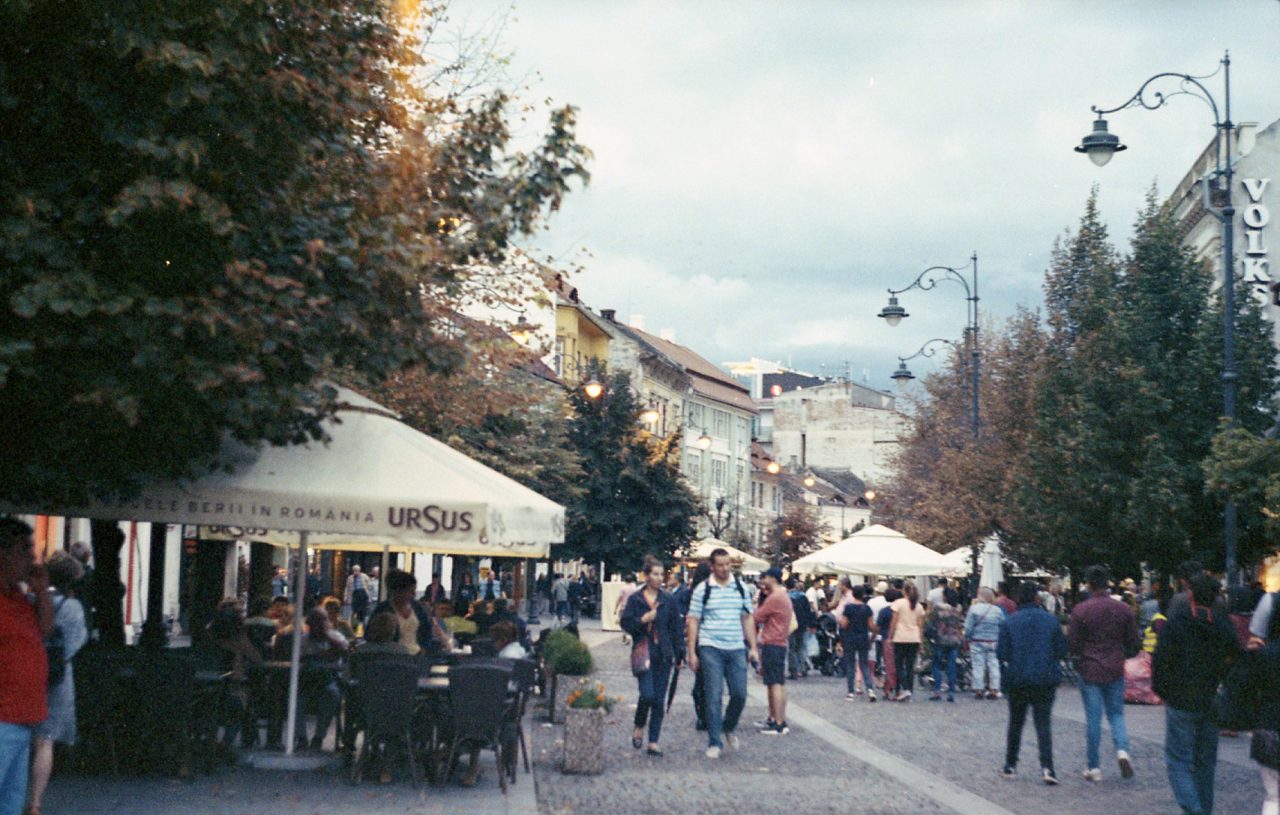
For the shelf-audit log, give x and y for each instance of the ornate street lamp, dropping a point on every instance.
(523, 331)
(893, 314)
(703, 442)
(773, 468)
(809, 480)
(593, 388)
(649, 415)
(1100, 145)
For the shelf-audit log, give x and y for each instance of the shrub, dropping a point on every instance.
(573, 660)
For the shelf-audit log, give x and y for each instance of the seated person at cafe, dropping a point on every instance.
(454, 623)
(322, 653)
(228, 632)
(379, 638)
(504, 639)
(416, 628)
(482, 615)
(260, 628)
(504, 614)
(333, 608)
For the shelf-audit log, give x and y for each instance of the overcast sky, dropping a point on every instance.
(764, 171)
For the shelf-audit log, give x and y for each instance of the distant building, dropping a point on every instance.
(715, 417)
(840, 426)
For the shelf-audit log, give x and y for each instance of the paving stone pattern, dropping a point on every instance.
(961, 743)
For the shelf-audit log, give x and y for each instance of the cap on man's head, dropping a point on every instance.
(882, 587)
(774, 572)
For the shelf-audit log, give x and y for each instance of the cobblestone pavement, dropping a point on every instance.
(928, 757)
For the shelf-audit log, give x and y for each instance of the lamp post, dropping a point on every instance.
(893, 314)
(1100, 145)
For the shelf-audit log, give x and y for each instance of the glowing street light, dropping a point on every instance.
(593, 388)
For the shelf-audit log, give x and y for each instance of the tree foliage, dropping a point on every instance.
(635, 501)
(800, 531)
(1096, 425)
(208, 210)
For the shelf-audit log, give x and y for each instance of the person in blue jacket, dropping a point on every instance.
(655, 622)
(1032, 647)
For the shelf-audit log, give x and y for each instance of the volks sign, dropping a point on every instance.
(1255, 217)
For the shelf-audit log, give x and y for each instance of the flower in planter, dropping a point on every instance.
(588, 696)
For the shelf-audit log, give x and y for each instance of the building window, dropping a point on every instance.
(720, 422)
(719, 469)
(559, 360)
(696, 422)
(693, 466)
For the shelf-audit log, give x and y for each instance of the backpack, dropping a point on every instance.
(55, 648)
(706, 589)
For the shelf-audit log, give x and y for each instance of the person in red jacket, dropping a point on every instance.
(1101, 635)
(26, 618)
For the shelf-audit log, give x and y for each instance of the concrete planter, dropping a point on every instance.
(584, 742)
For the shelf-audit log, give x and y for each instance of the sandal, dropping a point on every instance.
(654, 750)
(637, 742)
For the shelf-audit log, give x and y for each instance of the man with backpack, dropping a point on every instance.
(720, 619)
(805, 621)
(1191, 658)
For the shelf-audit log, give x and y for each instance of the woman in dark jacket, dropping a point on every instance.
(652, 617)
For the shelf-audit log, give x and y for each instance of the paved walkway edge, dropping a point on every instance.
(940, 790)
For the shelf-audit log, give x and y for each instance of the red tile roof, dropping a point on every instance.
(708, 380)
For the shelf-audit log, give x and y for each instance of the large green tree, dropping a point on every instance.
(1127, 400)
(635, 501)
(208, 210)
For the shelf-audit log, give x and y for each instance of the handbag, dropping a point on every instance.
(1265, 748)
(1239, 698)
(640, 656)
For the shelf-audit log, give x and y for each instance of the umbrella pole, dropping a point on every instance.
(382, 574)
(295, 661)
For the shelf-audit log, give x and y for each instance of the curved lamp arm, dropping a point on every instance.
(928, 349)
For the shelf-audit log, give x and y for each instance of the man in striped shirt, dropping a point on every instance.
(720, 620)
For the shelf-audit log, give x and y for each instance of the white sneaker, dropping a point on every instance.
(1093, 774)
(871, 696)
(732, 742)
(1126, 764)
(850, 697)
(713, 752)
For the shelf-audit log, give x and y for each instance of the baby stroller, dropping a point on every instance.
(827, 662)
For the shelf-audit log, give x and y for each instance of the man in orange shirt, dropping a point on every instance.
(24, 672)
(773, 618)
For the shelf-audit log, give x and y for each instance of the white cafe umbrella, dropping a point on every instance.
(376, 483)
(958, 561)
(875, 550)
(750, 563)
(992, 568)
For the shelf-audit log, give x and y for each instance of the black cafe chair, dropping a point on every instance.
(478, 700)
(385, 694)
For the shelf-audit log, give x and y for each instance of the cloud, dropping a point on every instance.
(756, 190)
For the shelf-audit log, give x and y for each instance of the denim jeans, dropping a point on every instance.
(796, 656)
(15, 758)
(986, 668)
(1097, 698)
(904, 654)
(718, 667)
(944, 656)
(1040, 700)
(1191, 756)
(855, 659)
(653, 698)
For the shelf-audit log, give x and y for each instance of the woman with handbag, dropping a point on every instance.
(653, 619)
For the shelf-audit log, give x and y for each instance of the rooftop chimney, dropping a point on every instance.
(609, 314)
(668, 334)
(637, 322)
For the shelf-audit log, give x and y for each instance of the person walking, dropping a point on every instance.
(805, 620)
(1101, 634)
(945, 628)
(698, 692)
(857, 626)
(1264, 642)
(1191, 658)
(720, 619)
(982, 630)
(560, 599)
(905, 632)
(356, 595)
(773, 618)
(884, 617)
(653, 618)
(1032, 647)
(26, 618)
